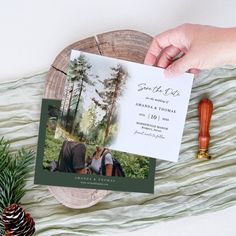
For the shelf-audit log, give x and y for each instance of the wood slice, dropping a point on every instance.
(77, 198)
(123, 44)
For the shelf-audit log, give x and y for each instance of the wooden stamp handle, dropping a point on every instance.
(205, 109)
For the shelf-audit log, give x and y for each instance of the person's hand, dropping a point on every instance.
(197, 47)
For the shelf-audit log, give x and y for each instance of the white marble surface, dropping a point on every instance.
(33, 33)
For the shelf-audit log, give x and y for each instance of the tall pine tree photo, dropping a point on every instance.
(70, 85)
(113, 88)
(78, 78)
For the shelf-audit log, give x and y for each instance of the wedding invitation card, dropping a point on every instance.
(115, 118)
(143, 112)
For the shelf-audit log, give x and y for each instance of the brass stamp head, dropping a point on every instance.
(203, 154)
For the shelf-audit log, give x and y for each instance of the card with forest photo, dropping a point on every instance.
(72, 158)
(125, 106)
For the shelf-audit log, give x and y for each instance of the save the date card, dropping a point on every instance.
(114, 119)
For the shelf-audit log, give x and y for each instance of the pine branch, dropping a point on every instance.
(14, 170)
(4, 154)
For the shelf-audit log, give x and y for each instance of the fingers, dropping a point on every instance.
(153, 52)
(167, 56)
(172, 37)
(158, 44)
(178, 67)
(166, 46)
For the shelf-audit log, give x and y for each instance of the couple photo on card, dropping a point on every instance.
(72, 159)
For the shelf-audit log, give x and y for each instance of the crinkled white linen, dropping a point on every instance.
(186, 188)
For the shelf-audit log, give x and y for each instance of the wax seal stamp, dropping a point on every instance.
(205, 108)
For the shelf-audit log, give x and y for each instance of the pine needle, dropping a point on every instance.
(4, 154)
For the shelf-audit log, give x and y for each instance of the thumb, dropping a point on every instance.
(178, 67)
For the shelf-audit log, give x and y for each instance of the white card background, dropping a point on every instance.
(151, 120)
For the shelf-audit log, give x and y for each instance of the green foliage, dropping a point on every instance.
(112, 133)
(134, 166)
(4, 153)
(96, 135)
(52, 148)
(88, 121)
(14, 169)
(79, 67)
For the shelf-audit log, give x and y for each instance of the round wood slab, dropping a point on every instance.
(123, 44)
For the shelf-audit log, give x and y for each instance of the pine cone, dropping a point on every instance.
(17, 222)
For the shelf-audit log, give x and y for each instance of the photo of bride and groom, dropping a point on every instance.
(72, 159)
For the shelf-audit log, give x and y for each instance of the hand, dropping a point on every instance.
(196, 47)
